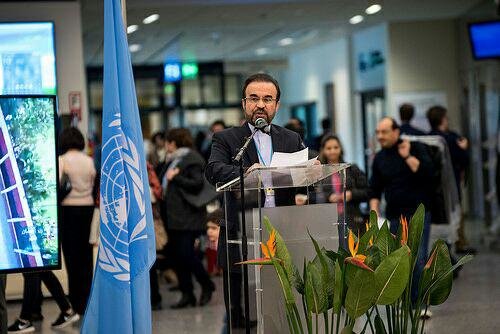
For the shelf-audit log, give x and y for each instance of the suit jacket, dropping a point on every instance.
(221, 169)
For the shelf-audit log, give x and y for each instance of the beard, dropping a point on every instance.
(258, 113)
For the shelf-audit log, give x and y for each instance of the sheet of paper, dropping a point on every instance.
(281, 159)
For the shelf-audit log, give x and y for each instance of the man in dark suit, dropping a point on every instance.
(406, 112)
(260, 99)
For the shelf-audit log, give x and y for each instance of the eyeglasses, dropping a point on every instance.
(254, 100)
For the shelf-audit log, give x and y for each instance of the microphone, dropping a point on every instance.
(262, 125)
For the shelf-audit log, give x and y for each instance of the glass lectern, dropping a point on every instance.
(295, 199)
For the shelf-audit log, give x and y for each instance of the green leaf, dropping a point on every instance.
(283, 254)
(373, 219)
(347, 330)
(364, 241)
(285, 282)
(316, 294)
(415, 229)
(384, 240)
(437, 278)
(391, 276)
(326, 266)
(339, 289)
(379, 325)
(360, 294)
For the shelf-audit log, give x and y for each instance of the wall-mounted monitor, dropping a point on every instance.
(485, 39)
(29, 238)
(27, 58)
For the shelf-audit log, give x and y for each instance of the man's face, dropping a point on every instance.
(260, 109)
(386, 135)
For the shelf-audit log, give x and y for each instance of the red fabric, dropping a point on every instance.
(337, 189)
(154, 182)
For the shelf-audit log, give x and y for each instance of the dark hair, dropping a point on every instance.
(406, 112)
(326, 124)
(322, 146)
(297, 129)
(159, 134)
(218, 122)
(261, 77)
(435, 115)
(180, 136)
(71, 139)
(216, 216)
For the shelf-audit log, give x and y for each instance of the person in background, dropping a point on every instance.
(297, 126)
(406, 112)
(401, 171)
(76, 216)
(214, 220)
(32, 300)
(326, 125)
(158, 153)
(332, 152)
(206, 147)
(3, 305)
(457, 146)
(160, 235)
(184, 174)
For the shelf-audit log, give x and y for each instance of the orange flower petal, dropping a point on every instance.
(358, 263)
(351, 243)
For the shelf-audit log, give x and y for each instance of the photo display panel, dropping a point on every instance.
(27, 58)
(29, 238)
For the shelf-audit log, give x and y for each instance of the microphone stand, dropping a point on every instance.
(244, 242)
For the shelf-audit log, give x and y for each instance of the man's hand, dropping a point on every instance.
(463, 143)
(171, 173)
(404, 149)
(253, 167)
(300, 199)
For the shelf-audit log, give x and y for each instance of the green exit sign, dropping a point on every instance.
(189, 70)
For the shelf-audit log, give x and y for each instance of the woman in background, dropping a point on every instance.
(76, 212)
(183, 174)
(331, 152)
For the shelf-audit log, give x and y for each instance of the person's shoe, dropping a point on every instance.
(186, 301)
(206, 294)
(425, 314)
(35, 317)
(21, 326)
(65, 319)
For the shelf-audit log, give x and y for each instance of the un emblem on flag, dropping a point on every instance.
(122, 206)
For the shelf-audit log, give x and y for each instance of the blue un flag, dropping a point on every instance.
(120, 297)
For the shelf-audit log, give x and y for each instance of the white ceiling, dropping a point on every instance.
(207, 30)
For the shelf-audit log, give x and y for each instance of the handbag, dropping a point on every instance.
(199, 200)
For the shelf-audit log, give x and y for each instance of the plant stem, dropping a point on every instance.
(425, 317)
(338, 322)
(368, 315)
(389, 318)
(325, 316)
(297, 316)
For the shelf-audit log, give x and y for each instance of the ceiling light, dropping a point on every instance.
(286, 41)
(132, 28)
(261, 51)
(373, 9)
(134, 47)
(356, 19)
(151, 19)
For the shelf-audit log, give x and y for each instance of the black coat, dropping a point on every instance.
(356, 183)
(177, 213)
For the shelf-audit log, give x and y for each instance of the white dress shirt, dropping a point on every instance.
(264, 146)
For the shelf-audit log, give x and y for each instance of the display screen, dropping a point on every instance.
(27, 58)
(28, 184)
(485, 39)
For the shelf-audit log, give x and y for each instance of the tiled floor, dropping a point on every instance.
(473, 307)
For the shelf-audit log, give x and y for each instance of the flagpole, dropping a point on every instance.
(124, 13)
